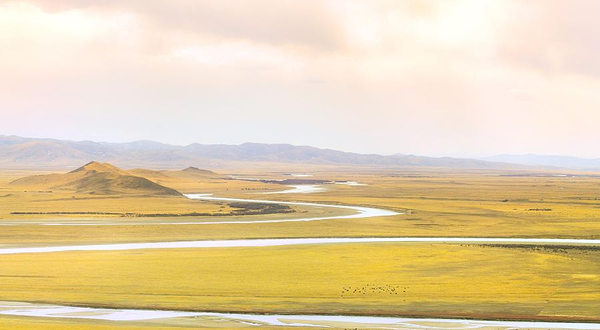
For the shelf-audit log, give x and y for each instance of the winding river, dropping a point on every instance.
(55, 311)
(322, 321)
(355, 212)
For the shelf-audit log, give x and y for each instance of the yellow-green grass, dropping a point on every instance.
(441, 280)
(437, 204)
(44, 200)
(38, 323)
(94, 206)
(468, 203)
(451, 203)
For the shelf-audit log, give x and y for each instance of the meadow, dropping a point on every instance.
(458, 204)
(425, 280)
(401, 279)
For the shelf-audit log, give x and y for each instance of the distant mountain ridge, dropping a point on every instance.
(18, 152)
(586, 164)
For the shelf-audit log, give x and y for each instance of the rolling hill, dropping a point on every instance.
(97, 178)
(187, 173)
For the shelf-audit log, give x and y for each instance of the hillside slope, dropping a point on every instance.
(97, 178)
(187, 173)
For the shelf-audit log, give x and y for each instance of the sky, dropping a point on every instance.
(461, 78)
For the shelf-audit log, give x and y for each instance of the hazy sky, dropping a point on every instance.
(447, 77)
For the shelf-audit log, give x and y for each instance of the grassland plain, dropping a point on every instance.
(29, 323)
(447, 280)
(437, 204)
(516, 282)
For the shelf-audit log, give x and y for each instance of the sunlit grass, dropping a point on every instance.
(381, 279)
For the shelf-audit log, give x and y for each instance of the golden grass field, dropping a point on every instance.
(447, 280)
(28, 323)
(436, 280)
(437, 204)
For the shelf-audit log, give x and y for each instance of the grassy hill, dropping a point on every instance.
(187, 173)
(97, 178)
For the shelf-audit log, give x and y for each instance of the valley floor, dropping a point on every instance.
(468, 280)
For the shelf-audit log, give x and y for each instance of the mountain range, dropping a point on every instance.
(585, 164)
(22, 152)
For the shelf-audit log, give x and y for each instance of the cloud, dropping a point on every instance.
(553, 37)
(425, 76)
(307, 23)
(521, 95)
